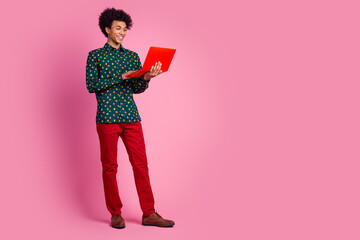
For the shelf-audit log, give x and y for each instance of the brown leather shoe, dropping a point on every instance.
(117, 221)
(155, 219)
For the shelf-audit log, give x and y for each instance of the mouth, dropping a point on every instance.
(119, 37)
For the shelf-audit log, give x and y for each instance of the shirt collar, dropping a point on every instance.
(107, 46)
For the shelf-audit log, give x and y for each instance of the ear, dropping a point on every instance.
(107, 30)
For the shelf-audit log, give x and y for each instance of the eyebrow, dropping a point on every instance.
(120, 26)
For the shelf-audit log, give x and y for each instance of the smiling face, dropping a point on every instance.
(117, 32)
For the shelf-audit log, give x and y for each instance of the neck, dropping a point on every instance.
(113, 44)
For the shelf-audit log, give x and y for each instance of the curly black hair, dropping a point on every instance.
(109, 15)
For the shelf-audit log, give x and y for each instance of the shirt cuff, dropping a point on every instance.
(118, 78)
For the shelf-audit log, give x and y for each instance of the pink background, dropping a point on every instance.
(252, 134)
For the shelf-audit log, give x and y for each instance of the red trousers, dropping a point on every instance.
(132, 136)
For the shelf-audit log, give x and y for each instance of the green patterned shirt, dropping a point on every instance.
(114, 95)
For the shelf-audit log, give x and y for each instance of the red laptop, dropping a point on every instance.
(155, 54)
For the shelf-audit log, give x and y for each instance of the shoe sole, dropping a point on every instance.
(119, 227)
(149, 224)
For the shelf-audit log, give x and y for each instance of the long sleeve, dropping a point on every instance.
(94, 83)
(139, 85)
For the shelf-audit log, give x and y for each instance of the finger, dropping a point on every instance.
(151, 71)
(157, 68)
(153, 68)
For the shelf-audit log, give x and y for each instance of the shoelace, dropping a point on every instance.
(158, 215)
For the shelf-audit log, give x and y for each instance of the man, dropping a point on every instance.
(117, 115)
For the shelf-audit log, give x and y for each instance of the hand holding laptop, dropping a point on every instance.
(154, 71)
(124, 75)
(157, 61)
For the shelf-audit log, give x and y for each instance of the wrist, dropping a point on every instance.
(144, 78)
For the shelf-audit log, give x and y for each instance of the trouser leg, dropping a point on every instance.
(108, 137)
(133, 139)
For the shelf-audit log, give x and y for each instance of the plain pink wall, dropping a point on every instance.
(252, 134)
